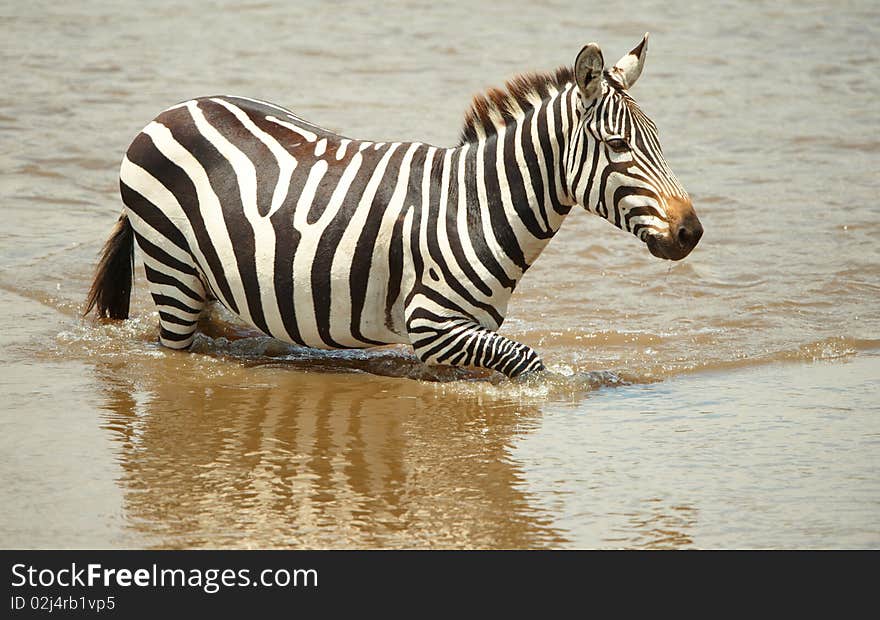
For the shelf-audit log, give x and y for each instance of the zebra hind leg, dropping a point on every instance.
(178, 293)
(461, 342)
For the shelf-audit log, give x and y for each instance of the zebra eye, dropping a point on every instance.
(619, 145)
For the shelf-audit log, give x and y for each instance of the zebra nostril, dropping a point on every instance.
(684, 236)
(689, 234)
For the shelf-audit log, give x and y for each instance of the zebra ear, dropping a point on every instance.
(629, 68)
(588, 68)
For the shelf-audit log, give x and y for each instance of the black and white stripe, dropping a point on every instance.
(329, 242)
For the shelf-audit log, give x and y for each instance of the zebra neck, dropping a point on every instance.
(514, 182)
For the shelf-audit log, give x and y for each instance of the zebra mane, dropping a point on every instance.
(520, 94)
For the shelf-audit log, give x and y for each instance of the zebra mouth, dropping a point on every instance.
(683, 233)
(654, 246)
(663, 247)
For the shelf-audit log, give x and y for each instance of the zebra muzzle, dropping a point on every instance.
(685, 231)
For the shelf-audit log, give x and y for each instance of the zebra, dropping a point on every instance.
(330, 242)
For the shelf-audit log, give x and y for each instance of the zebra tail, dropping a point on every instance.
(111, 289)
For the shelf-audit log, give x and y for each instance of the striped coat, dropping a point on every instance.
(328, 242)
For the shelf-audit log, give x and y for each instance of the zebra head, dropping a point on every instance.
(616, 167)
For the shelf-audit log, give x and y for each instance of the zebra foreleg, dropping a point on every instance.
(461, 342)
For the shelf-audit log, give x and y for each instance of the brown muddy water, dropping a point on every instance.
(730, 400)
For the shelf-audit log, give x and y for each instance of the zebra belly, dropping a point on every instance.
(336, 335)
(296, 310)
(298, 301)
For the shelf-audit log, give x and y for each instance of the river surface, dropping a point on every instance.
(729, 400)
